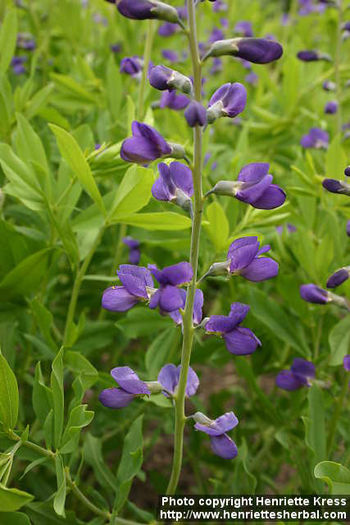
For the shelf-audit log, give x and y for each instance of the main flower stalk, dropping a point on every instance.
(180, 417)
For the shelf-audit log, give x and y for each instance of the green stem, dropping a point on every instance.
(188, 330)
(77, 285)
(77, 492)
(336, 414)
(146, 61)
(337, 65)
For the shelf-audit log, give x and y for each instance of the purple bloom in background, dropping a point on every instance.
(132, 66)
(239, 340)
(169, 377)
(346, 363)
(216, 66)
(130, 386)
(308, 7)
(170, 55)
(331, 107)
(197, 308)
(216, 34)
(134, 246)
(221, 444)
(313, 56)
(298, 376)
(145, 145)
(195, 114)
(173, 100)
(168, 297)
(347, 171)
(174, 183)
(244, 257)
(244, 28)
(336, 186)
(167, 29)
(17, 64)
(314, 294)
(316, 138)
(227, 101)
(290, 228)
(219, 5)
(329, 86)
(25, 41)
(252, 78)
(348, 228)
(224, 23)
(338, 277)
(116, 48)
(136, 285)
(257, 188)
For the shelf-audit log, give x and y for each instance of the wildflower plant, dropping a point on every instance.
(174, 271)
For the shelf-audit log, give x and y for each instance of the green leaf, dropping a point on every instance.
(339, 341)
(315, 423)
(130, 463)
(60, 496)
(167, 220)
(13, 499)
(79, 418)
(73, 155)
(8, 37)
(81, 366)
(9, 396)
(42, 395)
(142, 322)
(335, 475)
(160, 351)
(335, 158)
(218, 227)
(113, 88)
(93, 456)
(133, 193)
(29, 145)
(57, 397)
(26, 276)
(44, 319)
(243, 481)
(14, 518)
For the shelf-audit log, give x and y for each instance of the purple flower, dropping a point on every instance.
(256, 50)
(219, 5)
(308, 7)
(164, 78)
(169, 377)
(244, 258)
(336, 186)
(172, 100)
(131, 66)
(25, 41)
(195, 114)
(145, 145)
(136, 282)
(316, 138)
(215, 35)
(228, 101)
(115, 48)
(254, 186)
(313, 56)
(146, 9)
(314, 294)
(252, 78)
(221, 444)
(347, 171)
(244, 28)
(134, 253)
(174, 184)
(216, 66)
(348, 228)
(346, 363)
(197, 308)
(331, 107)
(338, 277)
(298, 376)
(239, 340)
(130, 386)
(168, 297)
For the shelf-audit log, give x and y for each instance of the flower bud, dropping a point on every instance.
(256, 50)
(146, 9)
(164, 78)
(313, 56)
(328, 85)
(336, 186)
(195, 114)
(338, 277)
(347, 171)
(225, 187)
(184, 201)
(331, 107)
(177, 151)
